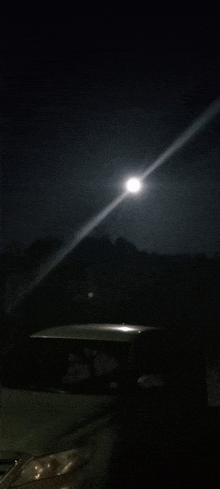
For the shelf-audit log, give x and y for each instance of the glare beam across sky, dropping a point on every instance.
(191, 131)
(135, 183)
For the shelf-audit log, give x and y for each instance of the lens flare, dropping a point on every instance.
(190, 132)
(184, 138)
(85, 230)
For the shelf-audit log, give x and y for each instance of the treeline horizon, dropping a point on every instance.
(100, 281)
(51, 242)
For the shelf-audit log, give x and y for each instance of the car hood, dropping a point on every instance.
(40, 422)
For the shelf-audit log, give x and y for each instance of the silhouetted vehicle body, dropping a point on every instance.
(77, 398)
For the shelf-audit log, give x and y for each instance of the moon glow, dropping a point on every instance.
(133, 185)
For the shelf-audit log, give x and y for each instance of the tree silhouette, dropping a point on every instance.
(125, 247)
(105, 282)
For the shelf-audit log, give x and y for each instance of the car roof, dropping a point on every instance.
(104, 332)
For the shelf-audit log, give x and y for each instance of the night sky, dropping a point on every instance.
(93, 96)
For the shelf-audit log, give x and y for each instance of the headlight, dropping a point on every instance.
(44, 467)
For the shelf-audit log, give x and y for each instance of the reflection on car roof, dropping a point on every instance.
(105, 332)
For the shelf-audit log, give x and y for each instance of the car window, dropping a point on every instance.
(91, 363)
(77, 370)
(47, 364)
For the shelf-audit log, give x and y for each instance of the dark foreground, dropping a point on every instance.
(193, 464)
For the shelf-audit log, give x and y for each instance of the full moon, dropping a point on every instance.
(133, 185)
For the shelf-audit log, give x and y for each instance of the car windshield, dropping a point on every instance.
(69, 365)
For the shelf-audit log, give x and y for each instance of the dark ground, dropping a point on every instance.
(194, 465)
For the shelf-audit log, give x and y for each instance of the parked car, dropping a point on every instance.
(75, 397)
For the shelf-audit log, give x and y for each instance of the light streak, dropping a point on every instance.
(85, 230)
(184, 138)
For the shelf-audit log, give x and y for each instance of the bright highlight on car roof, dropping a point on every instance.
(104, 332)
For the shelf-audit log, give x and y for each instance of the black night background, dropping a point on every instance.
(91, 96)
